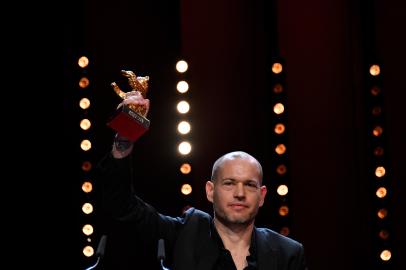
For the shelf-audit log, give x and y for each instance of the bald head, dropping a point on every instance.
(230, 156)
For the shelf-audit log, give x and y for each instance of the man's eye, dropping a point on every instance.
(251, 185)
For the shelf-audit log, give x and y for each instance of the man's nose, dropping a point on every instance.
(239, 190)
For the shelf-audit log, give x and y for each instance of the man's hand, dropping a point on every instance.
(122, 147)
(136, 100)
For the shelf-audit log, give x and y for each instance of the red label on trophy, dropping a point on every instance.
(129, 120)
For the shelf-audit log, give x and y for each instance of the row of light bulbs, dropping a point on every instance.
(280, 146)
(379, 169)
(85, 125)
(184, 128)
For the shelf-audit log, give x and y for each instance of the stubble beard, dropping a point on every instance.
(230, 220)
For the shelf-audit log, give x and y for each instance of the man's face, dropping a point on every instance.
(236, 194)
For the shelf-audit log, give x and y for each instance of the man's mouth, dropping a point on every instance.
(238, 206)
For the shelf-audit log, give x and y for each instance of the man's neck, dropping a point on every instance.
(235, 236)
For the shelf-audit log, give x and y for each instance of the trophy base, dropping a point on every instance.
(128, 123)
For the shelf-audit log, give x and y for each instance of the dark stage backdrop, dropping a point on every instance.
(325, 46)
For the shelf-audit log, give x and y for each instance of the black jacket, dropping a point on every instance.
(188, 239)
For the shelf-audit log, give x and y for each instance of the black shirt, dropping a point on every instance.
(225, 260)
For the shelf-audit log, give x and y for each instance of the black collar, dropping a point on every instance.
(251, 259)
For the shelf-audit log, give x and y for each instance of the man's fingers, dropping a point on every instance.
(135, 98)
(136, 101)
(132, 94)
(147, 105)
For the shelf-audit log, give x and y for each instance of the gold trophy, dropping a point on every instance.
(129, 120)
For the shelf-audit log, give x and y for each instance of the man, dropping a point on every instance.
(197, 241)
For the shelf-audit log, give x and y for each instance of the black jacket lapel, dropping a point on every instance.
(267, 257)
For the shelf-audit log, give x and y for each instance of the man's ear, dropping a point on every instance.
(209, 190)
(264, 190)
